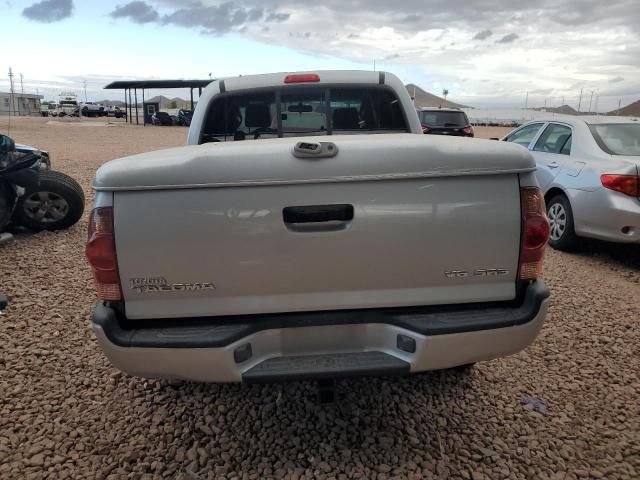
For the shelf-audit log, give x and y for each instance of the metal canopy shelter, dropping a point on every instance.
(127, 85)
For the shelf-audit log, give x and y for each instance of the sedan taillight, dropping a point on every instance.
(101, 254)
(627, 184)
(535, 233)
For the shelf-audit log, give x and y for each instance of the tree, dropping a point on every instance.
(445, 92)
(173, 104)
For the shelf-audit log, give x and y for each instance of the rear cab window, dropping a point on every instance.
(303, 110)
(445, 118)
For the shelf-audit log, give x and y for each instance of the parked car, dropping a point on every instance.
(326, 250)
(92, 109)
(445, 121)
(184, 117)
(589, 172)
(31, 193)
(161, 118)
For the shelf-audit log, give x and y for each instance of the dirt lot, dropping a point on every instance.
(66, 413)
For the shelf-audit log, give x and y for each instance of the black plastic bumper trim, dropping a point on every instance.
(215, 332)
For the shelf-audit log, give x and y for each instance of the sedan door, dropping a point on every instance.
(551, 152)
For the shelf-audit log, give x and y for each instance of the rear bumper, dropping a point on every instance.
(606, 215)
(320, 344)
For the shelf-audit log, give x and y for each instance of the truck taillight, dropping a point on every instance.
(101, 254)
(535, 233)
(468, 130)
(627, 184)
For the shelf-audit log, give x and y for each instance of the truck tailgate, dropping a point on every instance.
(298, 245)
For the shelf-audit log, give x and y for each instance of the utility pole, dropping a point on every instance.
(590, 100)
(13, 95)
(619, 106)
(580, 100)
(21, 93)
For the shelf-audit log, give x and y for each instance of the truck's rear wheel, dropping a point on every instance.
(563, 235)
(56, 203)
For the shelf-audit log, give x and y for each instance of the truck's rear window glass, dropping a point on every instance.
(303, 111)
(443, 118)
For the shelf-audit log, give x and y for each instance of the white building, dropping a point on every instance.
(19, 104)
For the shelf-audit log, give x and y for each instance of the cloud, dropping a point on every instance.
(222, 18)
(413, 18)
(511, 37)
(277, 17)
(541, 91)
(566, 42)
(212, 19)
(49, 11)
(138, 12)
(483, 35)
(616, 79)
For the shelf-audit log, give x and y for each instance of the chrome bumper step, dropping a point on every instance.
(329, 366)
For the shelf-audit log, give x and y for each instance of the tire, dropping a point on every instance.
(7, 200)
(563, 234)
(56, 203)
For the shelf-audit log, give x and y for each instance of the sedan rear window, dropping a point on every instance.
(617, 138)
(294, 112)
(434, 118)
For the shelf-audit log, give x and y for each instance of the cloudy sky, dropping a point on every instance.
(487, 53)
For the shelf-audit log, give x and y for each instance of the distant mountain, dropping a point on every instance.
(631, 110)
(165, 102)
(423, 99)
(564, 110)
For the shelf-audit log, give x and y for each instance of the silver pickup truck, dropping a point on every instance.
(310, 230)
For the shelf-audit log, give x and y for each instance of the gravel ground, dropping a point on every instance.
(66, 413)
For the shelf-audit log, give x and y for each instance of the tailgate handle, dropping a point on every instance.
(314, 150)
(318, 214)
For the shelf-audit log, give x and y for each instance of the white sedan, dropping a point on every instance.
(589, 170)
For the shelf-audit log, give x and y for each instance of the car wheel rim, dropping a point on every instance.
(45, 207)
(557, 220)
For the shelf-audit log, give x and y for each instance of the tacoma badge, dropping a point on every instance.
(160, 284)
